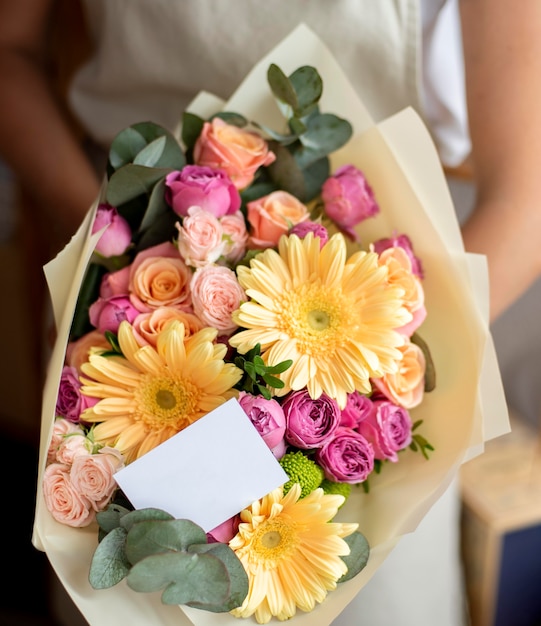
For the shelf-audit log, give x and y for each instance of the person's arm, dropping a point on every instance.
(36, 141)
(502, 48)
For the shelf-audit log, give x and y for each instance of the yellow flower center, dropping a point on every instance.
(274, 540)
(165, 401)
(318, 317)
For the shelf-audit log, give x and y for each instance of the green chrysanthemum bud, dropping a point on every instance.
(302, 470)
(343, 489)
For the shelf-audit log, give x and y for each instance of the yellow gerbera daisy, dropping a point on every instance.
(334, 317)
(151, 394)
(290, 551)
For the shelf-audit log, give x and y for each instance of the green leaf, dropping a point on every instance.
(125, 147)
(186, 578)
(156, 536)
(162, 229)
(279, 367)
(308, 86)
(235, 119)
(143, 515)
(314, 177)
(286, 173)
(430, 370)
(150, 155)
(88, 294)
(192, 125)
(156, 205)
(109, 564)
(326, 133)
(131, 181)
(109, 519)
(281, 87)
(357, 559)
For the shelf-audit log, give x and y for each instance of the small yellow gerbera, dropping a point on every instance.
(334, 317)
(290, 551)
(151, 394)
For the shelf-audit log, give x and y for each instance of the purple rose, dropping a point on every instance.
(208, 188)
(107, 313)
(303, 228)
(388, 429)
(310, 422)
(117, 236)
(347, 458)
(348, 199)
(70, 402)
(401, 241)
(268, 418)
(357, 408)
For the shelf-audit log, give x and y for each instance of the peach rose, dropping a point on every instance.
(200, 238)
(63, 501)
(216, 293)
(400, 269)
(235, 236)
(115, 283)
(159, 277)
(237, 151)
(272, 216)
(73, 445)
(61, 428)
(147, 326)
(92, 476)
(77, 351)
(406, 386)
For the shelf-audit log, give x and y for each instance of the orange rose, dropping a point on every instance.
(77, 351)
(272, 216)
(147, 326)
(237, 151)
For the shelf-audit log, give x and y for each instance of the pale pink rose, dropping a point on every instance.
(401, 241)
(400, 274)
(159, 277)
(92, 476)
(107, 313)
(73, 445)
(115, 283)
(237, 151)
(216, 293)
(406, 386)
(147, 326)
(272, 216)
(65, 504)
(77, 351)
(61, 428)
(225, 531)
(235, 237)
(116, 238)
(200, 238)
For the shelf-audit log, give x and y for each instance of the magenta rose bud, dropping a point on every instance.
(196, 185)
(404, 242)
(347, 458)
(357, 408)
(388, 429)
(303, 228)
(348, 199)
(310, 423)
(117, 236)
(70, 402)
(107, 313)
(268, 418)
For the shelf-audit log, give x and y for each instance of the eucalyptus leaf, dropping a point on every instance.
(235, 119)
(162, 229)
(131, 181)
(109, 564)
(326, 133)
(286, 173)
(314, 177)
(308, 86)
(281, 87)
(155, 536)
(430, 369)
(156, 205)
(109, 519)
(88, 294)
(144, 515)
(255, 191)
(357, 559)
(192, 125)
(185, 577)
(125, 147)
(150, 155)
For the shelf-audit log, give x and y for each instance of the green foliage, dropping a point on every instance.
(358, 556)
(154, 552)
(419, 442)
(258, 376)
(430, 371)
(88, 294)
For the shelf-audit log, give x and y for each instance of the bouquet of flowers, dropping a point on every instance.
(244, 376)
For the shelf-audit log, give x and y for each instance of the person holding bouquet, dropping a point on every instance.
(150, 60)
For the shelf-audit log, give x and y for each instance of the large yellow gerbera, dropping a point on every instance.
(334, 317)
(153, 393)
(290, 551)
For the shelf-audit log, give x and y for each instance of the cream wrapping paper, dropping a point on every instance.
(466, 409)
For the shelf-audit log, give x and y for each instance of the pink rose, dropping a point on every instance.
(225, 531)
(200, 238)
(148, 326)
(237, 151)
(388, 429)
(406, 386)
(348, 199)
(268, 418)
(401, 241)
(357, 408)
(205, 187)
(159, 277)
(235, 237)
(77, 351)
(310, 422)
(107, 313)
(117, 236)
(318, 230)
(272, 216)
(115, 283)
(347, 458)
(70, 402)
(92, 476)
(61, 428)
(216, 294)
(74, 444)
(62, 500)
